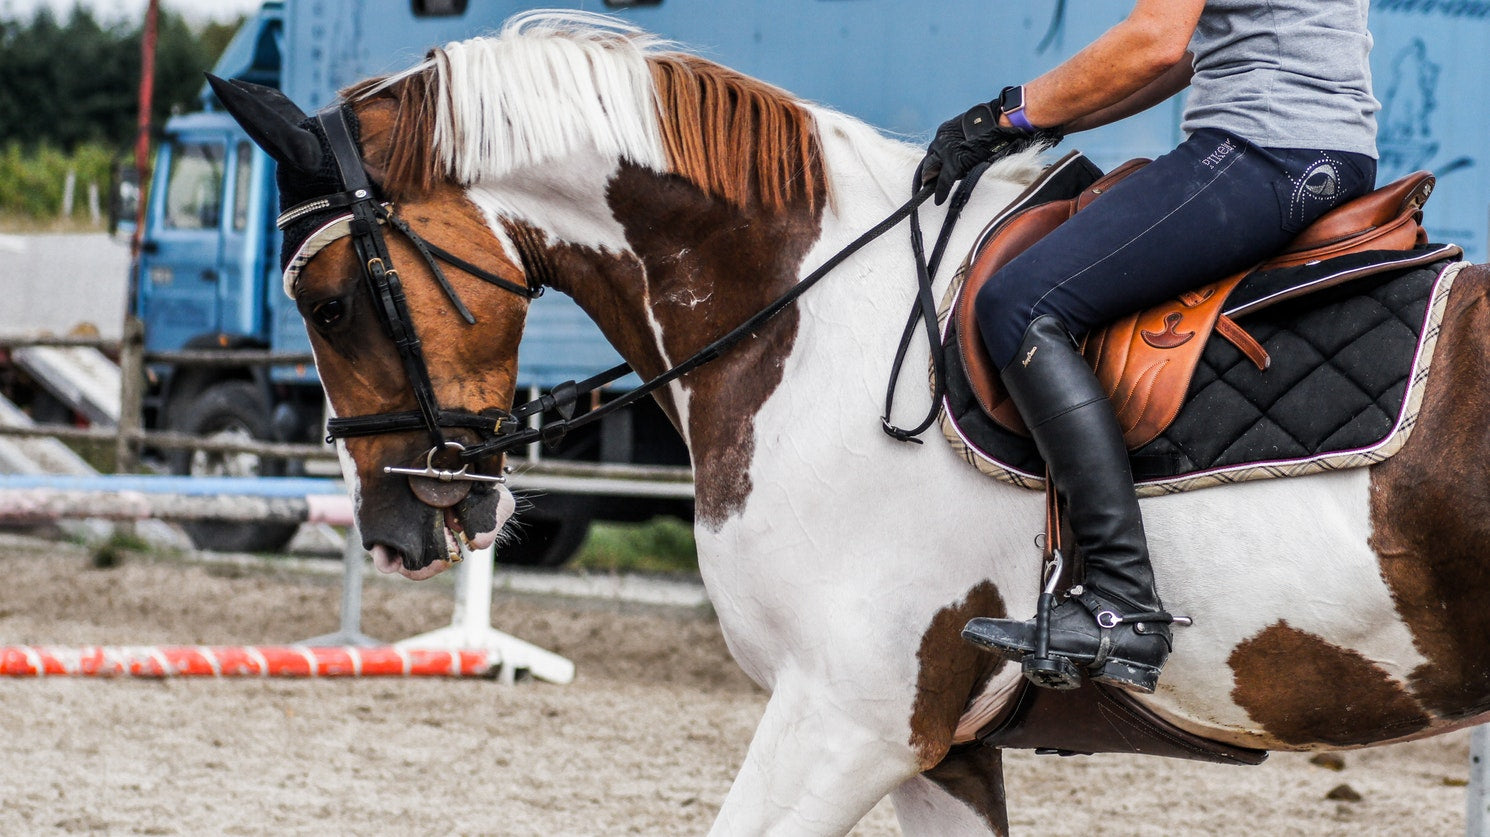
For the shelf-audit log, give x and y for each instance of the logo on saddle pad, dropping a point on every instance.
(1170, 337)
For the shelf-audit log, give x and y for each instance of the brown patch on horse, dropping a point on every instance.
(734, 136)
(603, 284)
(974, 775)
(698, 265)
(951, 672)
(699, 287)
(1430, 513)
(1302, 689)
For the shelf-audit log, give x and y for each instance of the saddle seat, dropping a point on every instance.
(1145, 361)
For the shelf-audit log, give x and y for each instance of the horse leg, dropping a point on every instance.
(962, 795)
(815, 766)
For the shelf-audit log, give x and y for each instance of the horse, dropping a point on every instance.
(672, 199)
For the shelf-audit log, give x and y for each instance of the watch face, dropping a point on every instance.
(1011, 99)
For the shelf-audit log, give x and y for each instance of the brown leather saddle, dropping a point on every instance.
(1146, 360)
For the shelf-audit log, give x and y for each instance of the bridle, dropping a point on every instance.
(440, 483)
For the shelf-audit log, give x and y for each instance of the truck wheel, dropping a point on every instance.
(229, 410)
(544, 540)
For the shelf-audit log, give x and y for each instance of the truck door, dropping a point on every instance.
(181, 262)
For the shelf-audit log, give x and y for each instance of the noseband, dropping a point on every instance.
(434, 485)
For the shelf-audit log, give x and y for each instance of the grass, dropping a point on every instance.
(14, 223)
(112, 552)
(661, 545)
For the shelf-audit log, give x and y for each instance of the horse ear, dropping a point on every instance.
(271, 120)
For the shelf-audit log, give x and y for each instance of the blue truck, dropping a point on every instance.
(207, 275)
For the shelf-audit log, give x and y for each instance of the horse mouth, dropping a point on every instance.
(390, 560)
(442, 546)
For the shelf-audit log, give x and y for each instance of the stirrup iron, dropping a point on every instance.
(1039, 666)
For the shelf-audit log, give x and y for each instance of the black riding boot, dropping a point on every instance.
(1113, 625)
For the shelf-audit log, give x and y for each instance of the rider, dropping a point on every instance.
(1280, 126)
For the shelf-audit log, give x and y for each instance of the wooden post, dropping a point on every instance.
(95, 210)
(131, 396)
(69, 193)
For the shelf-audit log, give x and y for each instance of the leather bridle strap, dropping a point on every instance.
(433, 255)
(383, 280)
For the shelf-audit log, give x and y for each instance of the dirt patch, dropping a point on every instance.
(646, 740)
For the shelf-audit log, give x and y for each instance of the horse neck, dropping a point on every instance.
(664, 269)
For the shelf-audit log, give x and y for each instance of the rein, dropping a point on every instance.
(924, 310)
(564, 396)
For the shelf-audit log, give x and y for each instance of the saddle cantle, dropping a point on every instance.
(1146, 360)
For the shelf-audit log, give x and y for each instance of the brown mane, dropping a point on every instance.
(411, 166)
(731, 135)
(735, 136)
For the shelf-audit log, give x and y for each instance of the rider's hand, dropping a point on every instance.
(961, 143)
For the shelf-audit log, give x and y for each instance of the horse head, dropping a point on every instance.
(558, 153)
(391, 349)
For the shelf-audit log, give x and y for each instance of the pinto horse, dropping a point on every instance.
(672, 199)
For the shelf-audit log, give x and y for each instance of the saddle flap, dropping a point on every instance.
(1006, 238)
(1098, 719)
(1145, 360)
(1014, 237)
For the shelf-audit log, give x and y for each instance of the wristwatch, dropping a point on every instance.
(1011, 104)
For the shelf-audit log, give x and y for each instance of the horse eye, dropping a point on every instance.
(328, 312)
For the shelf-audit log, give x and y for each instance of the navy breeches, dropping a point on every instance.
(1213, 206)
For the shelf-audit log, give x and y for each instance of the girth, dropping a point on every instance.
(1145, 361)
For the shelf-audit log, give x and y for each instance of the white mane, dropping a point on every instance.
(547, 85)
(552, 84)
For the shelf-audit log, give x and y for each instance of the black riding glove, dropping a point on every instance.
(961, 143)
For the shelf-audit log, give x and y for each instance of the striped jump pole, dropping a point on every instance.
(239, 661)
(470, 642)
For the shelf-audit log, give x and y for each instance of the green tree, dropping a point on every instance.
(76, 82)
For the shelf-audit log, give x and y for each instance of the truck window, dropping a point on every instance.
(194, 190)
(242, 185)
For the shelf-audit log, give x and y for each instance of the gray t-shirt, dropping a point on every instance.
(1285, 74)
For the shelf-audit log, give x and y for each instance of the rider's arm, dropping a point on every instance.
(1173, 80)
(1135, 64)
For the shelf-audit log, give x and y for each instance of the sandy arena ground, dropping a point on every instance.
(645, 741)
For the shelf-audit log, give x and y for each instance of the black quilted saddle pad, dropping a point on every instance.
(1344, 363)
